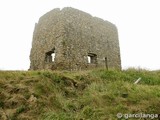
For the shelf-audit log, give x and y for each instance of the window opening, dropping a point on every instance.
(92, 58)
(53, 56)
(89, 59)
(50, 56)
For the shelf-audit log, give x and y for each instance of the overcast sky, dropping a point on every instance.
(138, 23)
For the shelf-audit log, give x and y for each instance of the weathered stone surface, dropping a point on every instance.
(78, 40)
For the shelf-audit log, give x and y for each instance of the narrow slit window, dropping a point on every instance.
(106, 62)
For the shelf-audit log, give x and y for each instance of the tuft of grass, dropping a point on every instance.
(20, 109)
(1, 104)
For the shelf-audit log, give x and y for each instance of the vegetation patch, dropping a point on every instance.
(84, 95)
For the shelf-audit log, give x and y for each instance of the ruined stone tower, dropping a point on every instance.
(70, 39)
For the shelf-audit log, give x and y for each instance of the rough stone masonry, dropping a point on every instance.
(70, 39)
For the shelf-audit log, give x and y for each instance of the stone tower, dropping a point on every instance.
(70, 39)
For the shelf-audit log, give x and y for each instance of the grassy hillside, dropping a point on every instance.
(84, 95)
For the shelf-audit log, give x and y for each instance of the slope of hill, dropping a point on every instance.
(84, 95)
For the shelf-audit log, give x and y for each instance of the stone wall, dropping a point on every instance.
(74, 36)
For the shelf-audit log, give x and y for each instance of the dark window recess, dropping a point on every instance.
(92, 58)
(50, 56)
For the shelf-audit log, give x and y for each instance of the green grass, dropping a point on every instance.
(83, 95)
